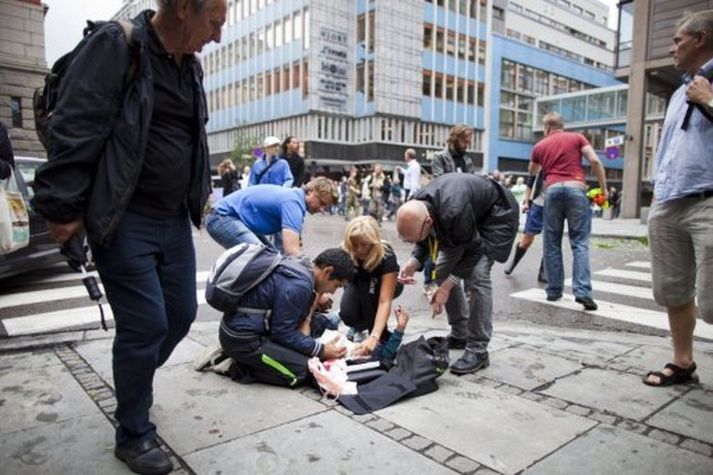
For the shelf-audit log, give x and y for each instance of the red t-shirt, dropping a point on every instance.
(560, 155)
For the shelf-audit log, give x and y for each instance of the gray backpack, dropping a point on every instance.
(237, 271)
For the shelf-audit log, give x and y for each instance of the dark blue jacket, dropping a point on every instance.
(290, 294)
(99, 131)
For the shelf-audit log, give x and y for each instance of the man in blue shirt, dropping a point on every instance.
(271, 169)
(275, 350)
(251, 214)
(681, 217)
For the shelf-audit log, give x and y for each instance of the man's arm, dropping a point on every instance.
(290, 242)
(290, 305)
(597, 167)
(533, 168)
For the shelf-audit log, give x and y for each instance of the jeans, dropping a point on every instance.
(229, 231)
(149, 276)
(473, 319)
(571, 204)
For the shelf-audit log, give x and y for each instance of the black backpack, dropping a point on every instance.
(44, 99)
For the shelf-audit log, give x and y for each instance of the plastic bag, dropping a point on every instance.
(331, 376)
(14, 219)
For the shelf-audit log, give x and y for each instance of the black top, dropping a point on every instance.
(388, 265)
(166, 173)
(297, 168)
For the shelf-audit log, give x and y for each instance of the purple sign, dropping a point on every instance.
(257, 152)
(612, 153)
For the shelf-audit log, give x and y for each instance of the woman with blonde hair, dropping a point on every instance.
(366, 303)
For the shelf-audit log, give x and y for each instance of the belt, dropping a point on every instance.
(701, 195)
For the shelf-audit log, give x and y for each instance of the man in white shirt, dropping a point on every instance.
(412, 174)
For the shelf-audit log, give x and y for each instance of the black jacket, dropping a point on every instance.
(99, 131)
(472, 215)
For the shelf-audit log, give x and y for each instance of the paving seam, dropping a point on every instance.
(103, 396)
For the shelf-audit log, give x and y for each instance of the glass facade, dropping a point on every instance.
(520, 85)
(625, 33)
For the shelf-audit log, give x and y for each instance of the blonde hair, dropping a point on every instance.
(366, 228)
(225, 165)
(323, 187)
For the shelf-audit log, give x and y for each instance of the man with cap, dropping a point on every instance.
(271, 169)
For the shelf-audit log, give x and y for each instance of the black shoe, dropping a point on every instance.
(470, 362)
(588, 303)
(455, 343)
(553, 298)
(145, 457)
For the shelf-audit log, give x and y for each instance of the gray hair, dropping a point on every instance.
(698, 23)
(172, 5)
(411, 152)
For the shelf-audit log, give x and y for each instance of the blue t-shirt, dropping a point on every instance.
(266, 209)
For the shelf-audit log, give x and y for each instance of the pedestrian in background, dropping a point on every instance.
(291, 154)
(377, 183)
(412, 174)
(135, 178)
(270, 169)
(229, 177)
(353, 193)
(559, 155)
(681, 216)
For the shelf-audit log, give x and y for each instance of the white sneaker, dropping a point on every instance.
(223, 367)
(211, 356)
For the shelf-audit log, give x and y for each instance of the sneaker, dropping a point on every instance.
(223, 367)
(470, 362)
(553, 298)
(588, 303)
(211, 356)
(455, 343)
(144, 457)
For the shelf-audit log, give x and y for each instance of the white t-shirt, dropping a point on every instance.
(412, 176)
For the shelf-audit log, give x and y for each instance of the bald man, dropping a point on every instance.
(465, 223)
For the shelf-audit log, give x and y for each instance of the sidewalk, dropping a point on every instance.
(554, 401)
(615, 228)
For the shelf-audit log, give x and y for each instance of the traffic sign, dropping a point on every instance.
(612, 153)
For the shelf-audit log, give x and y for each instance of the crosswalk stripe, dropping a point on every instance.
(639, 264)
(625, 274)
(61, 293)
(619, 289)
(64, 319)
(614, 311)
(61, 278)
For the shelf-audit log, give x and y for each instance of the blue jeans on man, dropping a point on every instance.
(229, 231)
(568, 203)
(149, 276)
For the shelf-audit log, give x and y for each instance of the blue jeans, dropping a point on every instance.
(571, 204)
(149, 276)
(229, 231)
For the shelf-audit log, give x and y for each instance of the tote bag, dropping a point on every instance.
(14, 220)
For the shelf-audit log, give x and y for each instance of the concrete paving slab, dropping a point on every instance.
(81, 445)
(526, 368)
(623, 394)
(205, 333)
(585, 349)
(327, 443)
(41, 396)
(485, 424)
(196, 410)
(692, 415)
(606, 450)
(98, 354)
(31, 360)
(654, 358)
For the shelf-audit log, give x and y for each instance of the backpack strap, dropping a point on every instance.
(262, 173)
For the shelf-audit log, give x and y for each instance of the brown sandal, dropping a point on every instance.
(678, 376)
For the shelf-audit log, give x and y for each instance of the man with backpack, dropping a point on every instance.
(268, 335)
(128, 163)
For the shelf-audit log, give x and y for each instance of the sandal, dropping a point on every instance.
(678, 376)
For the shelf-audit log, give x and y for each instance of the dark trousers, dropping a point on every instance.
(149, 276)
(360, 302)
(257, 358)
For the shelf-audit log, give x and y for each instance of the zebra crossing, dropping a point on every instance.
(631, 283)
(79, 314)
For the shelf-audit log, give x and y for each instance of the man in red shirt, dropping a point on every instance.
(559, 155)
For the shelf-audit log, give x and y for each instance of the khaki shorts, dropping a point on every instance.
(681, 243)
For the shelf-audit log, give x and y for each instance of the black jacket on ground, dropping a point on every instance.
(472, 215)
(99, 130)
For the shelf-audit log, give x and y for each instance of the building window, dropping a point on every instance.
(286, 78)
(305, 78)
(296, 75)
(306, 28)
(427, 36)
(297, 22)
(278, 82)
(278, 33)
(361, 28)
(451, 45)
(427, 83)
(268, 84)
(371, 30)
(438, 86)
(439, 40)
(450, 85)
(507, 77)
(360, 78)
(16, 111)
(288, 29)
(370, 81)
(498, 13)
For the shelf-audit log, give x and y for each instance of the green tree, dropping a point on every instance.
(242, 153)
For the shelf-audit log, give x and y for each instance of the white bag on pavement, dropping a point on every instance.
(14, 219)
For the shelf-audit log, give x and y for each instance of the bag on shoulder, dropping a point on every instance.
(44, 99)
(237, 271)
(14, 219)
